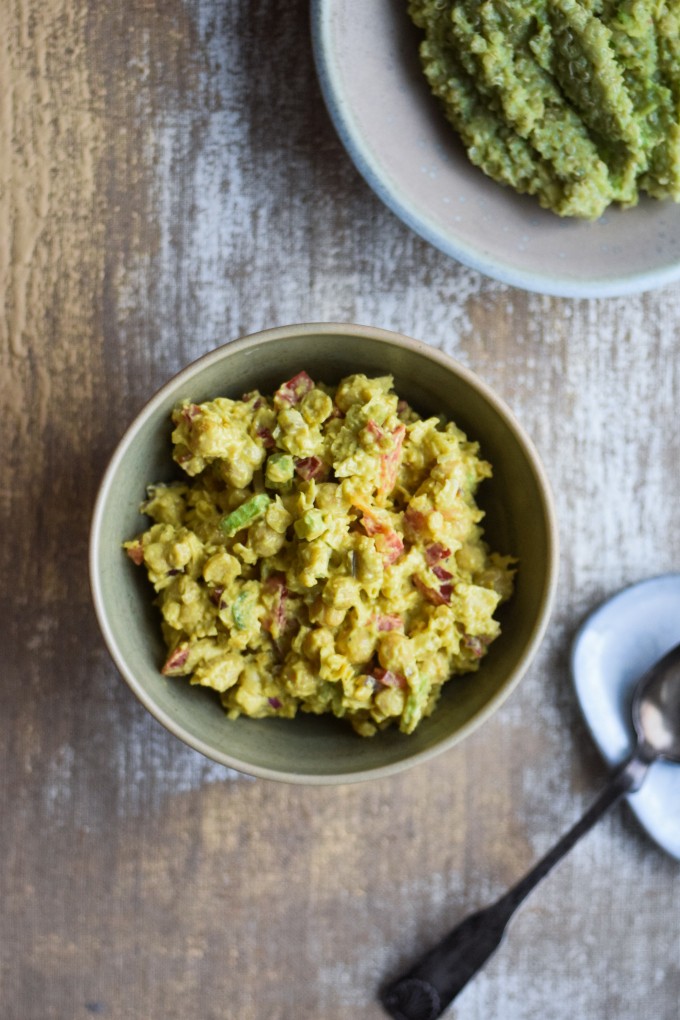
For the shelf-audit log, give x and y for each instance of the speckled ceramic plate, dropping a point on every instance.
(614, 647)
(394, 130)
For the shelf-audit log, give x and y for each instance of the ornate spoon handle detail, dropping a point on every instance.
(426, 990)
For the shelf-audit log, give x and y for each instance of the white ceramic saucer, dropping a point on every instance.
(612, 649)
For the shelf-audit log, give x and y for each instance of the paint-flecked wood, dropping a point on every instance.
(169, 179)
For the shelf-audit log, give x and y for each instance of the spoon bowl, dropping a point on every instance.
(656, 709)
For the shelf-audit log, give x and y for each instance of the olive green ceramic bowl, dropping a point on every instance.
(314, 749)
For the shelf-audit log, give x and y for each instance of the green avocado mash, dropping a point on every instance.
(322, 554)
(574, 101)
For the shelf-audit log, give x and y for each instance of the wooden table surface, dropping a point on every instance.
(169, 180)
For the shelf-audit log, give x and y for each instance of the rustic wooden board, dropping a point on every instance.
(169, 179)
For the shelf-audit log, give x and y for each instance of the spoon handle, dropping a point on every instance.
(428, 988)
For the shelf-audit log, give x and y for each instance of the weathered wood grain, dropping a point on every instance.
(169, 179)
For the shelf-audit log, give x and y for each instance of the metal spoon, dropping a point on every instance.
(428, 988)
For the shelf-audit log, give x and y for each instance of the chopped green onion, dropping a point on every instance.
(280, 469)
(415, 704)
(310, 525)
(245, 514)
(239, 611)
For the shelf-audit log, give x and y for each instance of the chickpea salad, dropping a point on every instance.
(323, 555)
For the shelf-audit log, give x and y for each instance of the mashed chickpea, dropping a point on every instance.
(324, 554)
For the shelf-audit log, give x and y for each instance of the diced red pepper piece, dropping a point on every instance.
(438, 597)
(477, 644)
(190, 412)
(390, 546)
(388, 542)
(371, 524)
(388, 678)
(293, 391)
(375, 430)
(136, 553)
(414, 520)
(389, 622)
(389, 463)
(176, 661)
(266, 436)
(276, 621)
(258, 400)
(274, 702)
(436, 552)
(441, 573)
(309, 467)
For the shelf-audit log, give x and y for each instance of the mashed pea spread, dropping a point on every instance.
(574, 101)
(324, 554)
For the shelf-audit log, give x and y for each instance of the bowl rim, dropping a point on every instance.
(257, 339)
(387, 190)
